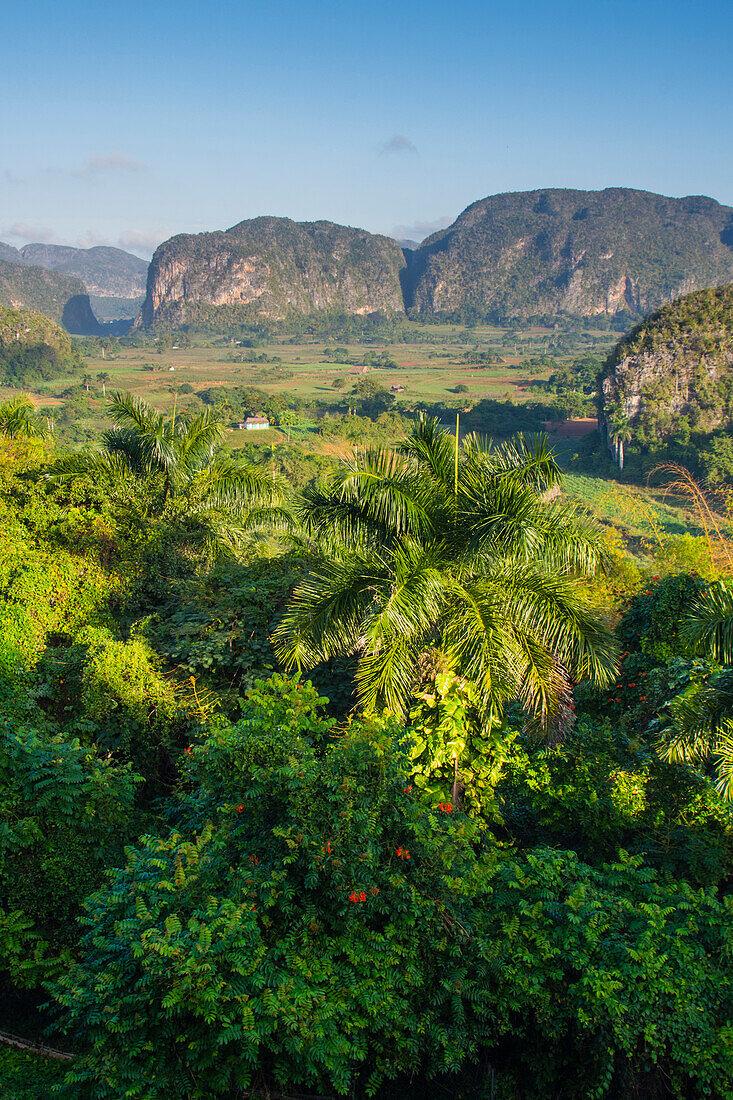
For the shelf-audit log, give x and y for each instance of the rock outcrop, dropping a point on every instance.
(676, 364)
(586, 253)
(273, 268)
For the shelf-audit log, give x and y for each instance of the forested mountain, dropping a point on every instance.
(114, 279)
(33, 348)
(498, 864)
(519, 255)
(672, 374)
(106, 272)
(585, 253)
(274, 268)
(60, 297)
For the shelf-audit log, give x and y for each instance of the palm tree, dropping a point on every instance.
(421, 552)
(701, 717)
(18, 421)
(620, 432)
(179, 459)
(103, 377)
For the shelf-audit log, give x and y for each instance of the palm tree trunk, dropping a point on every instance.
(620, 454)
(167, 491)
(454, 789)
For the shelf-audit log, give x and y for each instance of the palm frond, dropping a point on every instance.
(433, 449)
(18, 420)
(371, 500)
(723, 759)
(109, 468)
(156, 440)
(529, 460)
(198, 439)
(231, 482)
(708, 625)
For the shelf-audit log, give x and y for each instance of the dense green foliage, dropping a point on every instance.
(457, 551)
(308, 919)
(33, 349)
(228, 881)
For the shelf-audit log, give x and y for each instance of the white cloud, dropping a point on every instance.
(142, 240)
(418, 231)
(29, 234)
(109, 162)
(91, 238)
(398, 143)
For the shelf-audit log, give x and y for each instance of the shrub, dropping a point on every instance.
(308, 922)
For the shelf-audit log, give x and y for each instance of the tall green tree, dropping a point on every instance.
(620, 432)
(458, 556)
(179, 463)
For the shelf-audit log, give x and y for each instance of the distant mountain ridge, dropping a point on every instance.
(60, 297)
(506, 257)
(105, 271)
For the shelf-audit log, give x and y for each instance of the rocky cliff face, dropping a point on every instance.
(59, 297)
(273, 268)
(586, 253)
(676, 364)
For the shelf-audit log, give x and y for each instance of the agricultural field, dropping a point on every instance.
(437, 367)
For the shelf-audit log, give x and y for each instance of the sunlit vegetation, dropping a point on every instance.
(481, 845)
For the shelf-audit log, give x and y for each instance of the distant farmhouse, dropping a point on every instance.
(255, 424)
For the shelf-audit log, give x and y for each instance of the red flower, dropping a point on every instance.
(407, 789)
(362, 896)
(239, 809)
(190, 748)
(446, 807)
(403, 853)
(355, 897)
(254, 860)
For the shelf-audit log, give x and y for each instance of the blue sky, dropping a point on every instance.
(126, 123)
